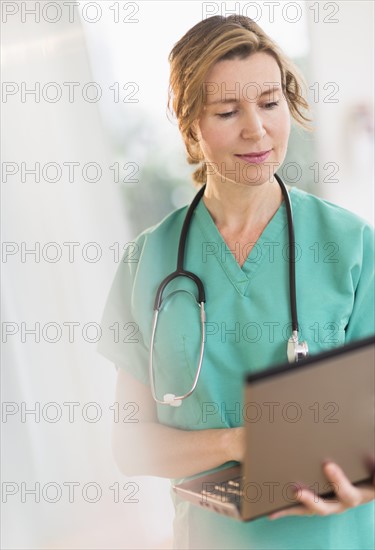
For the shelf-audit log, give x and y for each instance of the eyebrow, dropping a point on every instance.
(224, 101)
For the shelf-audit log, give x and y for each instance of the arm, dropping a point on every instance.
(362, 319)
(149, 448)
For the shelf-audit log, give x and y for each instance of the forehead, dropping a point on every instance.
(259, 68)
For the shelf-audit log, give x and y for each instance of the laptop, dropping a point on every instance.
(296, 418)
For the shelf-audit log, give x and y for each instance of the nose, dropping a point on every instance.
(252, 127)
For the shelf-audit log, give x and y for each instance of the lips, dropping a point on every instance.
(255, 158)
(256, 154)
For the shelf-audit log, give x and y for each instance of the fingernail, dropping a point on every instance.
(330, 468)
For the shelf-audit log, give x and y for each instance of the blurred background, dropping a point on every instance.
(89, 159)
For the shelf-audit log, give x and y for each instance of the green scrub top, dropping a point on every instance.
(248, 323)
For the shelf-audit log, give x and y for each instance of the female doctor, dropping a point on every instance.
(234, 94)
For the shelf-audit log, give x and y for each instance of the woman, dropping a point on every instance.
(234, 94)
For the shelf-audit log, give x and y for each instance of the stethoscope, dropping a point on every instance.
(295, 350)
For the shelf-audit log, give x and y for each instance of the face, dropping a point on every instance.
(245, 113)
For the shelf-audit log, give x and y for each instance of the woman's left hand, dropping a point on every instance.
(348, 496)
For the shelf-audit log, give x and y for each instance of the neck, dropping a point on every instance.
(241, 209)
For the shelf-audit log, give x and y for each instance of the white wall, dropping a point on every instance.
(343, 53)
(38, 450)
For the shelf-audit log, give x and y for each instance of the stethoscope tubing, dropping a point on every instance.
(295, 348)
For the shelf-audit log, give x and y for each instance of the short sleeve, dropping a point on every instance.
(361, 322)
(121, 340)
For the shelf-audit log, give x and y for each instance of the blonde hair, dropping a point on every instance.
(209, 41)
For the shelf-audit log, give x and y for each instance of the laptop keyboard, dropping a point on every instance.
(226, 491)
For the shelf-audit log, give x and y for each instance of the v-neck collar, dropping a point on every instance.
(240, 276)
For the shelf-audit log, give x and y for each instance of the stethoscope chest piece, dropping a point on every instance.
(296, 350)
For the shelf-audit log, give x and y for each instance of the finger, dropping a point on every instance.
(314, 504)
(311, 504)
(348, 494)
(299, 510)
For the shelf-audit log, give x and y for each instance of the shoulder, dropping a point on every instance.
(157, 241)
(327, 217)
(171, 221)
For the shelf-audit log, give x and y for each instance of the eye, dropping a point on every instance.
(272, 105)
(226, 115)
